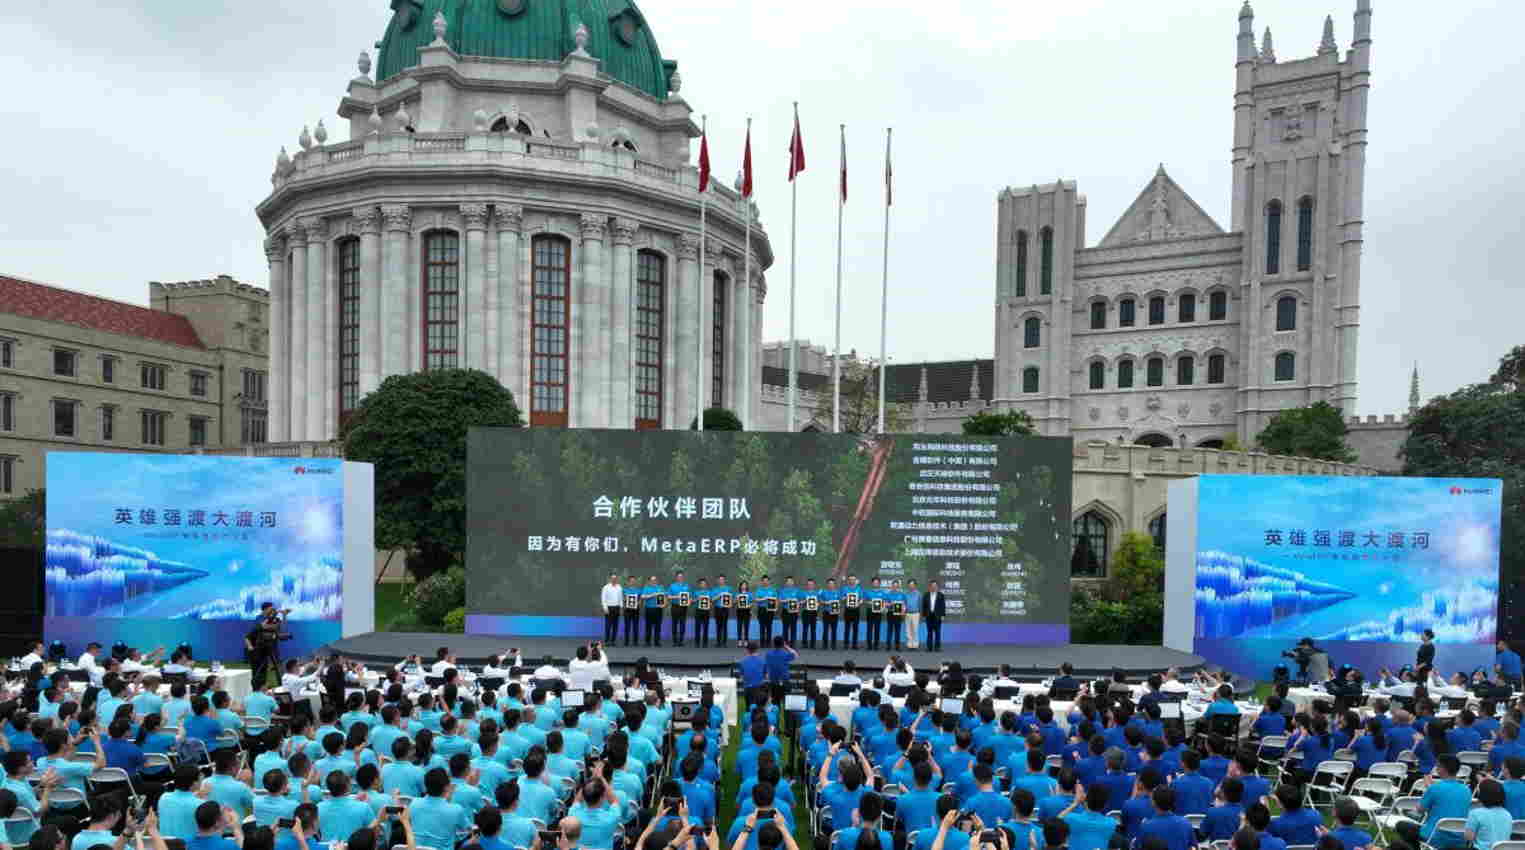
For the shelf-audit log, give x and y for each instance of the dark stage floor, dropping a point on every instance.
(1026, 661)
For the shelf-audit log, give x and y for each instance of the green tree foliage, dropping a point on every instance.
(1316, 431)
(1130, 607)
(413, 428)
(859, 411)
(432, 599)
(1511, 371)
(718, 419)
(986, 423)
(23, 521)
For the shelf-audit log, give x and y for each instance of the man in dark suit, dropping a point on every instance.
(934, 606)
(1066, 680)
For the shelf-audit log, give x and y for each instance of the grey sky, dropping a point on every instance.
(139, 140)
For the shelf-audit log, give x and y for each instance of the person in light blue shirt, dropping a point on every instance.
(653, 601)
(592, 722)
(870, 817)
(71, 774)
(108, 812)
(1193, 791)
(223, 704)
(766, 601)
(402, 775)
(436, 820)
(517, 830)
(831, 614)
(177, 808)
(18, 766)
(1086, 816)
(1445, 798)
(449, 741)
(490, 772)
(334, 758)
(790, 601)
(148, 702)
(276, 802)
(466, 793)
(991, 806)
(257, 703)
(355, 713)
(1514, 786)
(597, 808)
(875, 600)
(341, 815)
(537, 799)
(177, 707)
(1489, 823)
(675, 594)
(912, 615)
(226, 788)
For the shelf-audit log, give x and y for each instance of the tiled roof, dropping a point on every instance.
(946, 381)
(49, 303)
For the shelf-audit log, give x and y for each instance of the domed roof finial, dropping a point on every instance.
(320, 135)
(364, 64)
(305, 140)
(282, 160)
(375, 121)
(479, 120)
(674, 82)
(439, 28)
(404, 120)
(580, 36)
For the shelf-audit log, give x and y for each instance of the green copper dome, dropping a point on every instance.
(530, 29)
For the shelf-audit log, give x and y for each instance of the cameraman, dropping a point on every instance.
(262, 642)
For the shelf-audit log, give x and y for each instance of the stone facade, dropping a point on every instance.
(81, 373)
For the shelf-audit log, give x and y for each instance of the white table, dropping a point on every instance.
(238, 683)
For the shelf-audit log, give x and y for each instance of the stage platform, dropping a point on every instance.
(1027, 662)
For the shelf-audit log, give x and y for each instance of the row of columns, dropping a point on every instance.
(494, 317)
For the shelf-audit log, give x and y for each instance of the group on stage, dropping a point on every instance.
(882, 614)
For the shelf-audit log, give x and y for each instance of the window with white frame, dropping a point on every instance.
(152, 424)
(64, 424)
(65, 362)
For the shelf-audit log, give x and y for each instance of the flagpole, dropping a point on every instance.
(746, 292)
(794, 207)
(704, 205)
(884, 292)
(836, 357)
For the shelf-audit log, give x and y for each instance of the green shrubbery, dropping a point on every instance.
(455, 621)
(1130, 607)
(436, 597)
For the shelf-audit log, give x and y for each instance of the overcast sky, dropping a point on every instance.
(138, 141)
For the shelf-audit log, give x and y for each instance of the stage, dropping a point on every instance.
(1027, 662)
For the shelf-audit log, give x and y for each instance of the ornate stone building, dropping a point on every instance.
(515, 196)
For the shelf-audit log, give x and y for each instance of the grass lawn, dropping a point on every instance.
(389, 604)
(725, 805)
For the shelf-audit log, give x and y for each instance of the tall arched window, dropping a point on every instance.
(650, 305)
(1089, 537)
(1217, 306)
(1286, 366)
(1286, 313)
(1021, 263)
(1154, 441)
(1186, 371)
(1098, 375)
(1125, 374)
(1098, 315)
(520, 127)
(1046, 261)
(442, 299)
(1154, 372)
(1216, 368)
(1273, 237)
(1032, 332)
(1030, 379)
(1157, 531)
(1305, 234)
(1126, 312)
(1157, 310)
(718, 341)
(349, 326)
(1187, 308)
(550, 326)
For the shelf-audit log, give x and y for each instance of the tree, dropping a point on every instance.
(413, 428)
(718, 419)
(1511, 371)
(23, 521)
(1316, 431)
(1009, 424)
(1130, 607)
(860, 401)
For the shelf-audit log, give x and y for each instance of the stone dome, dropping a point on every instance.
(533, 30)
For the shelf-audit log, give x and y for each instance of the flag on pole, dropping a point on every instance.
(796, 149)
(844, 164)
(746, 164)
(888, 175)
(704, 162)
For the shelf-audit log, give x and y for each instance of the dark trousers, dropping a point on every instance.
(791, 628)
(829, 632)
(722, 627)
(632, 631)
(850, 631)
(263, 660)
(744, 625)
(653, 626)
(701, 630)
(679, 625)
(765, 627)
(611, 625)
(892, 631)
(934, 634)
(875, 629)
(809, 630)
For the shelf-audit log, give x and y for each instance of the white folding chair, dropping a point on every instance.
(1271, 753)
(1403, 809)
(1345, 754)
(1452, 826)
(107, 776)
(1519, 829)
(1196, 821)
(22, 817)
(1331, 778)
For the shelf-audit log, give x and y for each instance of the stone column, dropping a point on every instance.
(590, 381)
(318, 397)
(398, 218)
(296, 237)
(706, 319)
(369, 220)
(474, 219)
(277, 403)
(505, 343)
(739, 322)
(681, 353)
(621, 310)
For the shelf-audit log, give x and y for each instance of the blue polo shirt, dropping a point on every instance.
(1089, 830)
(912, 602)
(753, 671)
(778, 665)
(1300, 826)
(829, 596)
(876, 593)
(787, 593)
(1508, 663)
(762, 593)
(678, 587)
(1174, 830)
(849, 590)
(649, 595)
(1194, 795)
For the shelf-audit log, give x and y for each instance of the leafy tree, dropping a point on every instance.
(718, 419)
(860, 401)
(1130, 607)
(989, 424)
(1316, 431)
(1231, 443)
(413, 428)
(1511, 371)
(23, 521)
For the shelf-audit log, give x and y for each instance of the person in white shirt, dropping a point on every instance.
(296, 678)
(589, 665)
(899, 672)
(849, 675)
(137, 662)
(547, 671)
(87, 659)
(412, 663)
(33, 657)
(1173, 683)
(501, 666)
(443, 660)
(610, 600)
(1001, 680)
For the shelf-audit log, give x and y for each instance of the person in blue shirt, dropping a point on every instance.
(177, 808)
(754, 673)
(536, 797)
(1257, 820)
(341, 815)
(1270, 721)
(1036, 780)
(789, 603)
(875, 598)
(1052, 805)
(680, 600)
(517, 830)
(71, 773)
(766, 601)
(1506, 662)
(436, 820)
(654, 601)
(1086, 816)
(1313, 743)
(917, 808)
(1215, 766)
(831, 614)
(1222, 820)
(1297, 824)
(119, 751)
(1447, 797)
(1223, 703)
(211, 820)
(852, 611)
(704, 608)
(1167, 825)
(1243, 768)
(778, 661)
(277, 802)
(1489, 823)
(598, 810)
(870, 816)
(1464, 737)
(202, 724)
(227, 789)
(1116, 780)
(1140, 807)
(1345, 814)
(840, 799)
(894, 615)
(810, 613)
(177, 707)
(1193, 792)
(986, 802)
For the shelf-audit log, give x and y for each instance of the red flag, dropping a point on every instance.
(746, 165)
(704, 163)
(796, 150)
(844, 164)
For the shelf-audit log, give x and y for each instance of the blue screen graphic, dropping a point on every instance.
(163, 549)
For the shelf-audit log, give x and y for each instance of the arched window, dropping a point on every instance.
(1154, 441)
(1305, 234)
(1286, 313)
(1187, 310)
(1089, 535)
(551, 276)
(1098, 315)
(1098, 375)
(1125, 374)
(1216, 364)
(1154, 371)
(650, 307)
(1273, 237)
(1186, 371)
(1286, 366)
(520, 127)
(1030, 379)
(1046, 261)
(1217, 306)
(1157, 310)
(1214, 443)
(1021, 263)
(717, 342)
(1032, 332)
(442, 299)
(1126, 310)
(1157, 531)
(349, 326)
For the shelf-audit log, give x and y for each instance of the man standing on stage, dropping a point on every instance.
(895, 598)
(912, 615)
(654, 598)
(811, 599)
(852, 608)
(722, 599)
(935, 606)
(1426, 654)
(875, 615)
(631, 593)
(766, 599)
(678, 596)
(831, 610)
(263, 641)
(789, 600)
(611, 598)
(704, 601)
